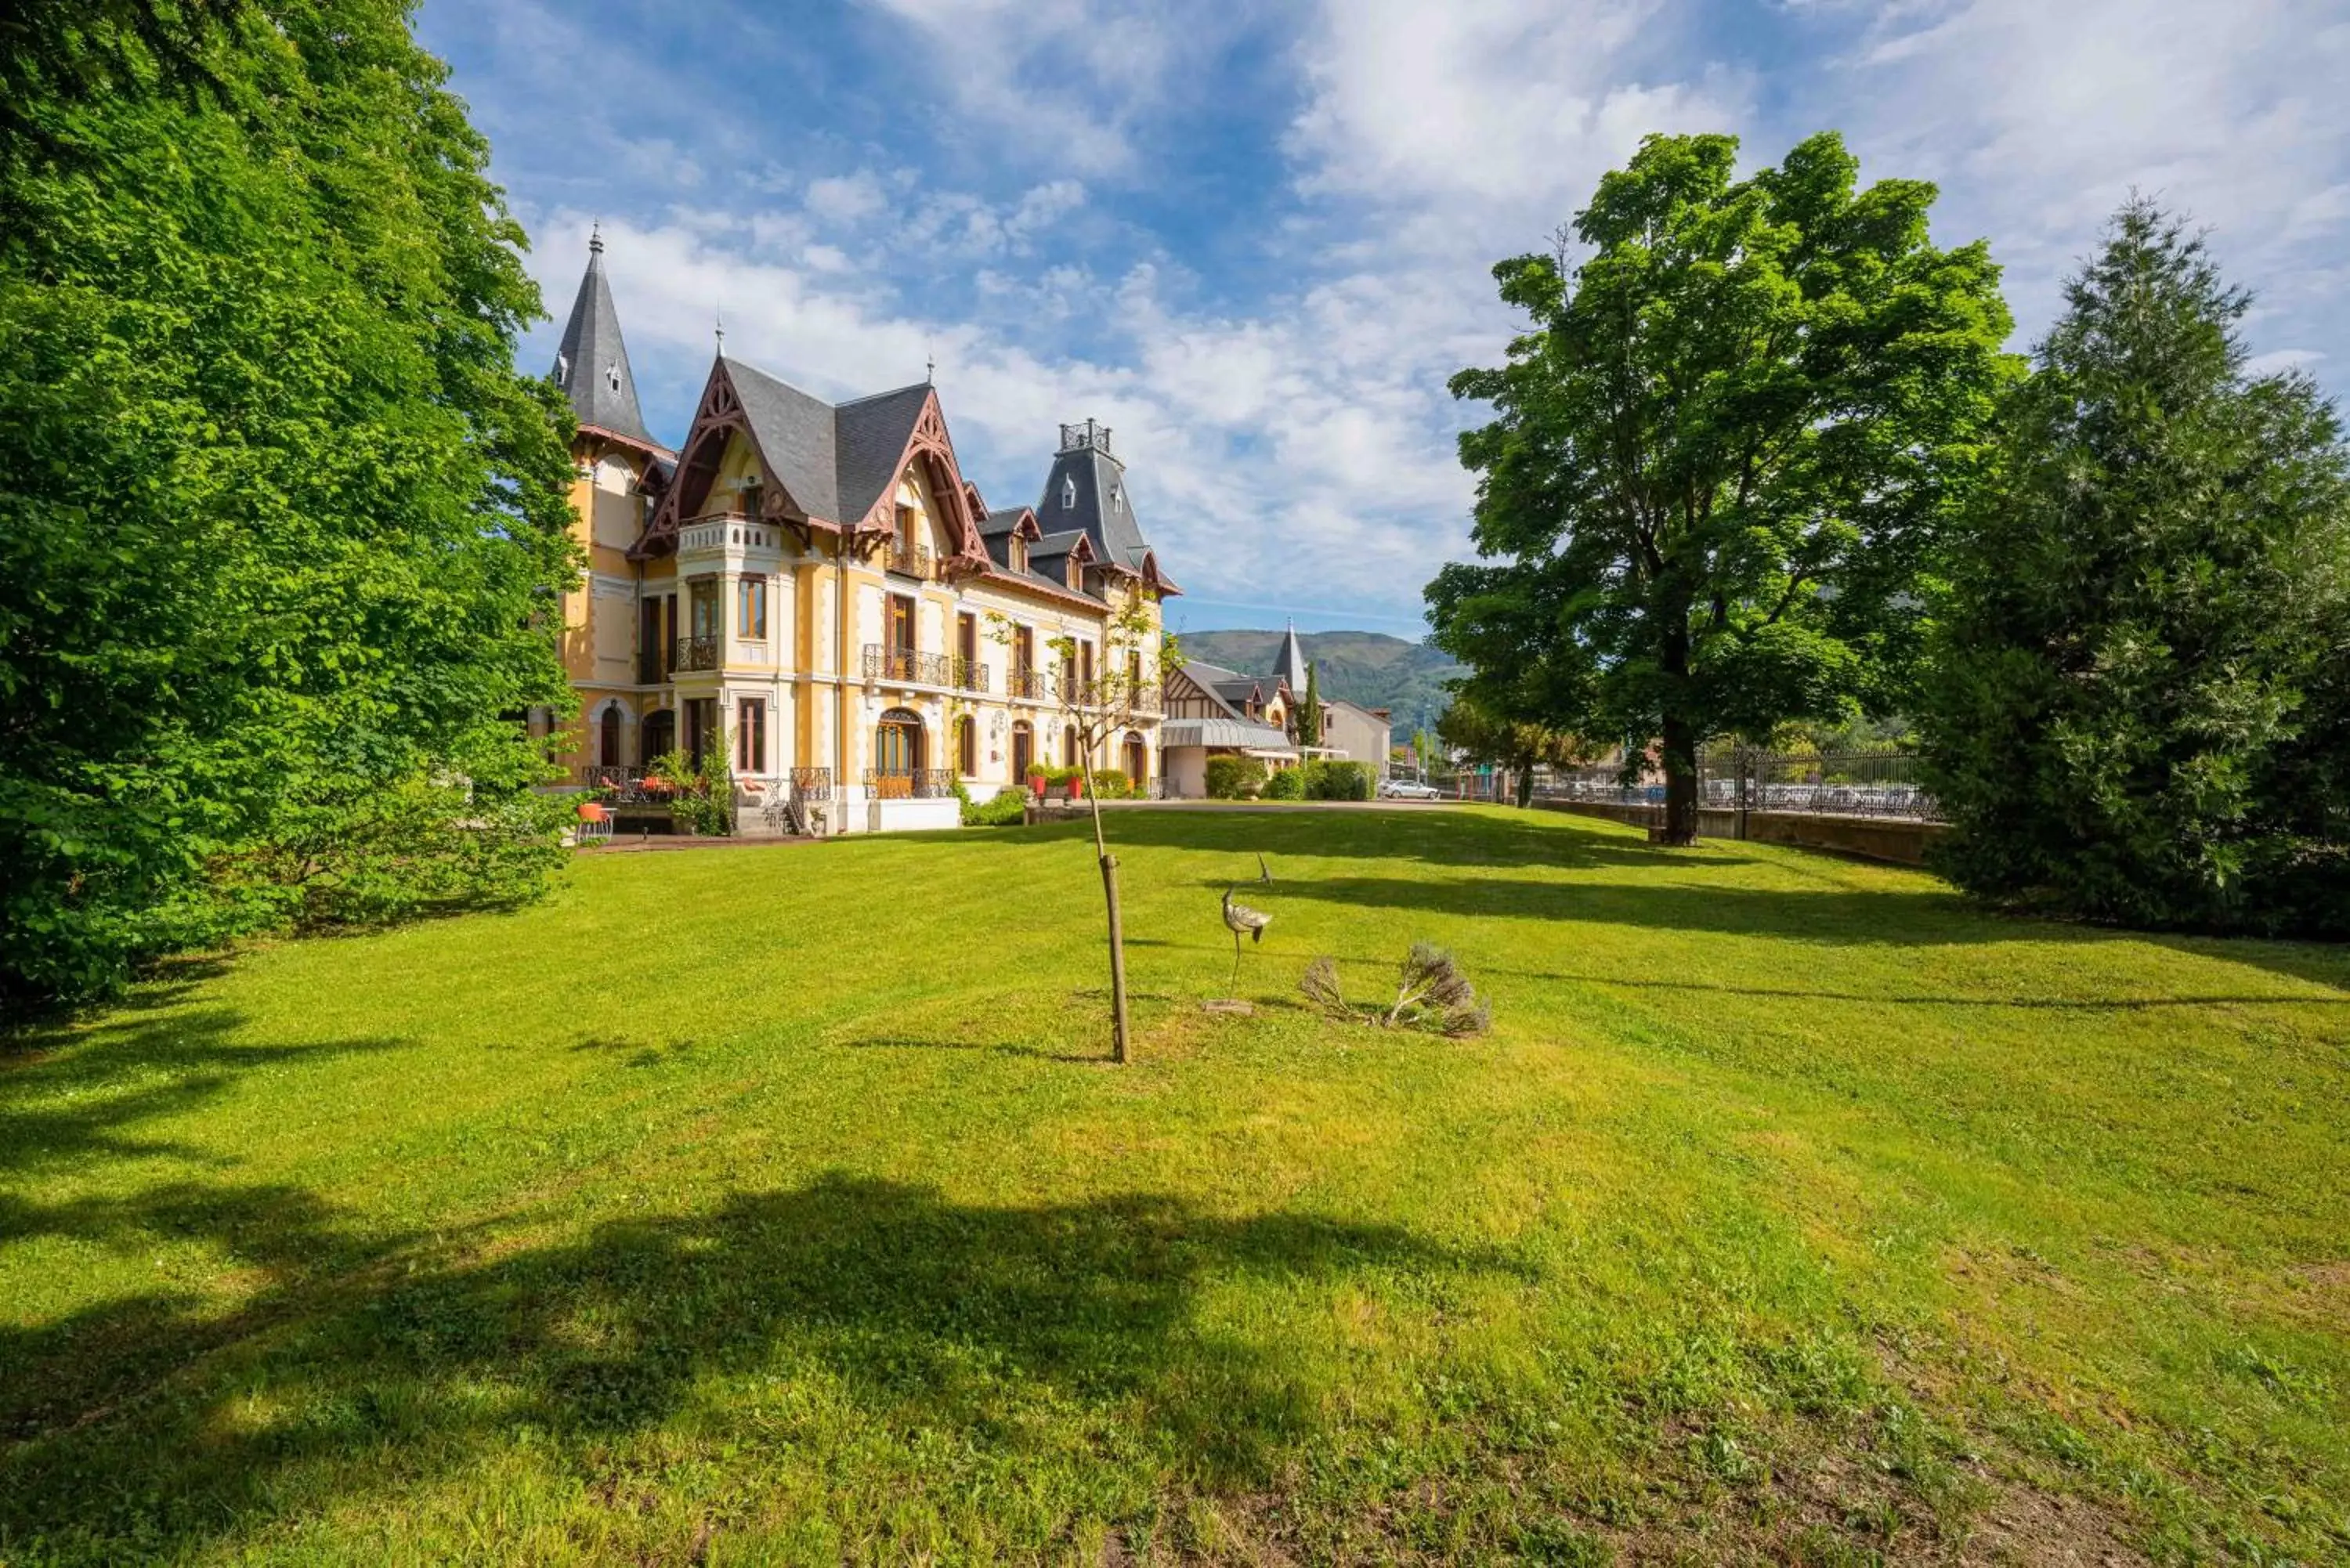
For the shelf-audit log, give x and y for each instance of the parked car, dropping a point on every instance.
(1410, 789)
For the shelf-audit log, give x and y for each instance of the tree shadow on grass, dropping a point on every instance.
(1003, 1329)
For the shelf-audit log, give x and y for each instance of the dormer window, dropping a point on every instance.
(1069, 493)
(1018, 553)
(1113, 497)
(612, 375)
(1077, 573)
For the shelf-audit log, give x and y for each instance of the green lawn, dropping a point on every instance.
(771, 1204)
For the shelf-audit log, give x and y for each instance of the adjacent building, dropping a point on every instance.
(815, 592)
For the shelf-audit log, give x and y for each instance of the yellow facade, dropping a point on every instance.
(799, 675)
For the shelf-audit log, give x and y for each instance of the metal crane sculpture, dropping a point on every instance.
(1239, 917)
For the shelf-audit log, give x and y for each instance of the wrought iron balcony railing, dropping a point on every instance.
(913, 783)
(911, 560)
(699, 652)
(906, 667)
(810, 784)
(967, 675)
(1029, 683)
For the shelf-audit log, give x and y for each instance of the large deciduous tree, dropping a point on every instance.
(283, 528)
(2137, 710)
(1721, 454)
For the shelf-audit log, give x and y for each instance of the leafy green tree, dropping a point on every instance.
(1518, 746)
(2138, 710)
(1723, 454)
(285, 529)
(1309, 712)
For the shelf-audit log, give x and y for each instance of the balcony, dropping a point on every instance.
(1027, 683)
(917, 783)
(966, 675)
(699, 653)
(908, 559)
(810, 784)
(904, 666)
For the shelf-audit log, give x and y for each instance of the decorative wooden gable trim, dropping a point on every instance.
(716, 420)
(958, 498)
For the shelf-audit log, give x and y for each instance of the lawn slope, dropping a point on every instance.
(773, 1205)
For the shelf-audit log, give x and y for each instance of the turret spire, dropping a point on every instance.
(592, 365)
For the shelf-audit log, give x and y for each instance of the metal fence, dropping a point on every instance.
(1879, 783)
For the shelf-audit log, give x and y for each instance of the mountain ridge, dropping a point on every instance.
(1369, 668)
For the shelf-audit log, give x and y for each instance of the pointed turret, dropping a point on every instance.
(592, 365)
(1291, 665)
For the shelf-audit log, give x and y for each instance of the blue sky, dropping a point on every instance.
(1255, 239)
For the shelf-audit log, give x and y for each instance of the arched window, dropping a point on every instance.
(608, 737)
(896, 753)
(1138, 759)
(1023, 750)
(967, 746)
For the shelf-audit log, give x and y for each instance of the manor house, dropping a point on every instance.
(816, 592)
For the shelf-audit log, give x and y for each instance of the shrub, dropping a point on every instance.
(1007, 808)
(1111, 784)
(1234, 778)
(1285, 785)
(1337, 781)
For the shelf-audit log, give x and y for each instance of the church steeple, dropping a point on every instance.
(592, 365)
(1291, 666)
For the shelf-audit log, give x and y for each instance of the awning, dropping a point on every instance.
(1229, 734)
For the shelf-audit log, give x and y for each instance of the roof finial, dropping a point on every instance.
(595, 238)
(929, 363)
(718, 329)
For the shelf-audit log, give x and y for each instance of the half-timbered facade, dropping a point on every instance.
(817, 590)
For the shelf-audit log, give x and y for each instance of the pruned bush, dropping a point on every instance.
(1234, 777)
(1285, 784)
(1112, 784)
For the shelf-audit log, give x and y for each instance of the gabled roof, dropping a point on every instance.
(591, 364)
(871, 436)
(796, 433)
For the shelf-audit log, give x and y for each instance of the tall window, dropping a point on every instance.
(1086, 666)
(906, 527)
(1023, 750)
(703, 603)
(967, 746)
(902, 623)
(1023, 650)
(896, 753)
(967, 646)
(608, 738)
(1069, 747)
(750, 608)
(701, 727)
(751, 735)
(1138, 759)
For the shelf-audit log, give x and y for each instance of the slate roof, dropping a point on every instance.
(1101, 507)
(1291, 665)
(591, 364)
(836, 461)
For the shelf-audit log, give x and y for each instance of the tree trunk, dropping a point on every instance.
(1117, 961)
(1526, 783)
(1117, 925)
(1681, 781)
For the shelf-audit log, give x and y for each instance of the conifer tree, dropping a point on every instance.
(2138, 712)
(1309, 714)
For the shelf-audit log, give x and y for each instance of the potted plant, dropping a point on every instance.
(1076, 783)
(1037, 783)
